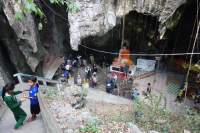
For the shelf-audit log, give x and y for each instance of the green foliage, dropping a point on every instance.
(19, 16)
(51, 93)
(29, 6)
(69, 4)
(90, 128)
(72, 7)
(154, 116)
(193, 119)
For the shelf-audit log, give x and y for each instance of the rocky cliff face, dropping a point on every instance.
(20, 46)
(25, 47)
(96, 17)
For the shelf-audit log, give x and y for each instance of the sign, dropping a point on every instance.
(147, 65)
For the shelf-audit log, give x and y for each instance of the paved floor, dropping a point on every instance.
(7, 122)
(160, 82)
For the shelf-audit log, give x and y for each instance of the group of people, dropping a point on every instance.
(14, 104)
(71, 68)
(111, 82)
(91, 74)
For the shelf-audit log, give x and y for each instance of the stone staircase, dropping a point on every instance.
(7, 122)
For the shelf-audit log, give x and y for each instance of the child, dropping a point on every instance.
(149, 88)
(66, 75)
(79, 80)
(94, 79)
(11, 101)
(34, 103)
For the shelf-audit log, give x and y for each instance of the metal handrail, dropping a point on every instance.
(42, 79)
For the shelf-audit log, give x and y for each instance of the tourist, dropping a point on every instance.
(130, 82)
(68, 67)
(34, 103)
(69, 62)
(126, 70)
(9, 97)
(115, 78)
(79, 80)
(149, 88)
(94, 68)
(94, 79)
(135, 94)
(75, 63)
(79, 60)
(88, 73)
(66, 75)
(109, 85)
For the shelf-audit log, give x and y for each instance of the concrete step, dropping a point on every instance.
(7, 122)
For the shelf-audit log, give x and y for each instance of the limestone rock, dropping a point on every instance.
(186, 131)
(133, 128)
(97, 17)
(26, 32)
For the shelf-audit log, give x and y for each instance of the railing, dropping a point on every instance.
(40, 79)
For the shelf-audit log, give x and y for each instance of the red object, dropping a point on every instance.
(124, 54)
(118, 69)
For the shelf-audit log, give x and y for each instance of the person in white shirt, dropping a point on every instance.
(94, 79)
(115, 80)
(67, 67)
(79, 80)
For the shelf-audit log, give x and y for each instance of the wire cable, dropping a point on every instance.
(114, 53)
(54, 12)
(190, 64)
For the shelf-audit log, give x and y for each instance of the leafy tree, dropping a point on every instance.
(154, 116)
(30, 6)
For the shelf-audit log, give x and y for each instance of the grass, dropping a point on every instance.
(148, 117)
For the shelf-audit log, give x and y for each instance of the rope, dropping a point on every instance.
(54, 12)
(123, 28)
(113, 53)
(193, 29)
(188, 72)
(173, 54)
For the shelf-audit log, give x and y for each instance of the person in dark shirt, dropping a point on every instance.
(149, 88)
(9, 97)
(94, 68)
(109, 85)
(34, 103)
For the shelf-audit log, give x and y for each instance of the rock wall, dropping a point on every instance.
(26, 32)
(97, 17)
(25, 46)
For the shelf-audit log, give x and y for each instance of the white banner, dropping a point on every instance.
(147, 65)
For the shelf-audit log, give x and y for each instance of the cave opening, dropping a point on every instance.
(141, 36)
(181, 38)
